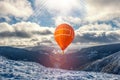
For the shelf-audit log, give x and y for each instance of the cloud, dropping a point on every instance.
(98, 37)
(74, 12)
(102, 22)
(96, 27)
(28, 33)
(63, 8)
(70, 20)
(77, 12)
(32, 34)
(66, 11)
(18, 8)
(25, 33)
(97, 33)
(24, 28)
(102, 9)
(6, 27)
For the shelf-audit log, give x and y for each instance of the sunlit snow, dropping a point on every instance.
(19, 70)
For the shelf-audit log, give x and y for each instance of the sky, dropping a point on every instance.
(32, 22)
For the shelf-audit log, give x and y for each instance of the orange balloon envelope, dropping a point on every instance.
(64, 35)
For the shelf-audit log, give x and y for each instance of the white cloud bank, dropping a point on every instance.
(63, 7)
(66, 11)
(97, 33)
(25, 33)
(102, 9)
(24, 28)
(17, 8)
(78, 12)
(61, 10)
(98, 37)
(69, 20)
(60, 7)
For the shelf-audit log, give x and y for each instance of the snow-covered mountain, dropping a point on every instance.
(79, 60)
(21, 70)
(109, 64)
(84, 57)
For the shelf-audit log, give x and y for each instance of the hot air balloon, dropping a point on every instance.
(64, 35)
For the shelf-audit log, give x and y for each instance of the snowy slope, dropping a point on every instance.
(19, 70)
(109, 64)
(75, 61)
